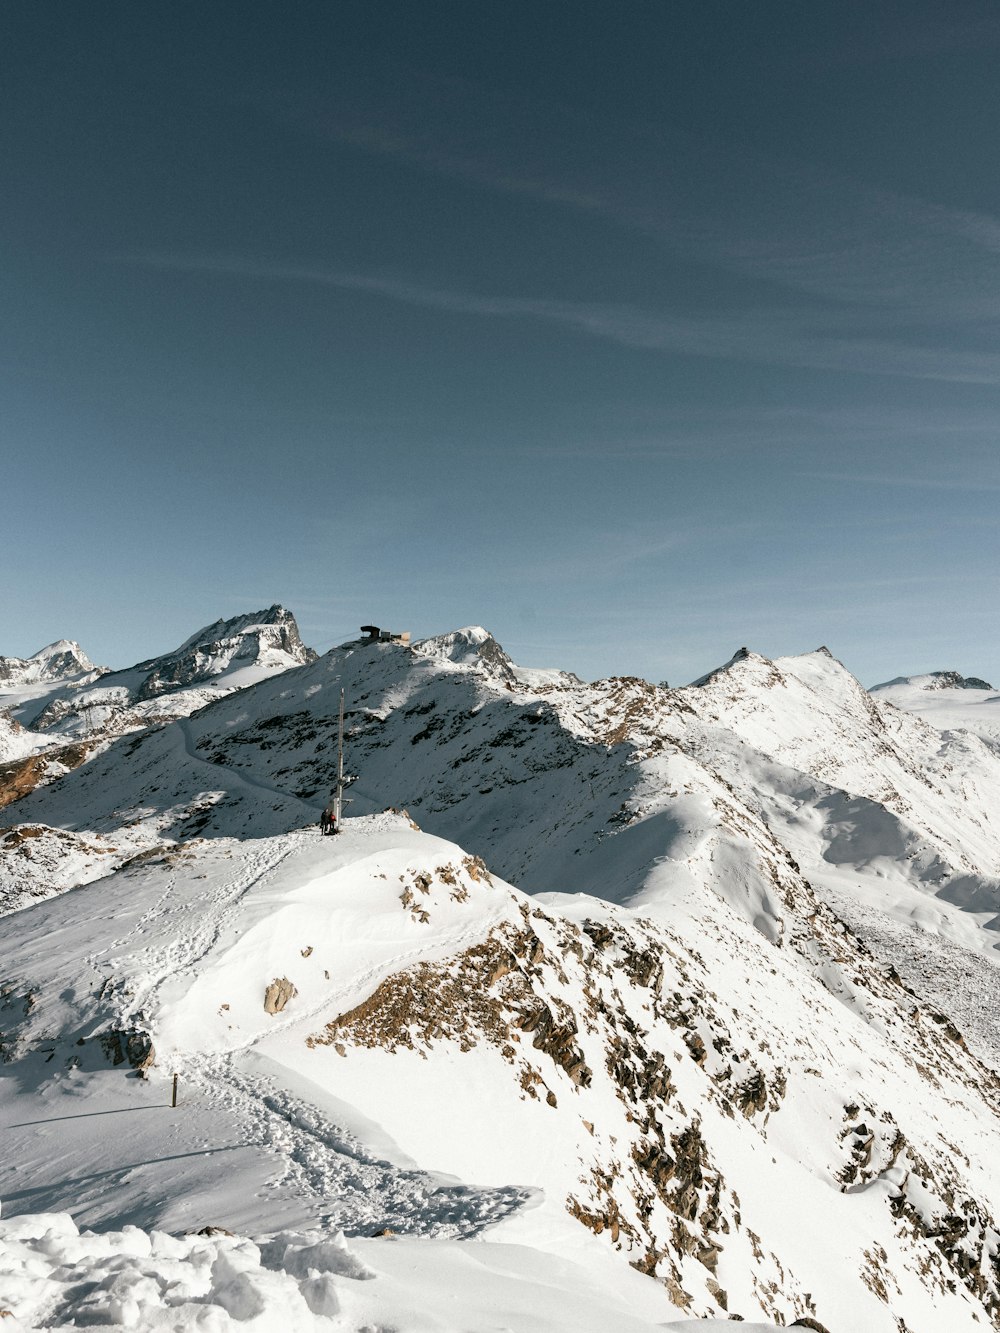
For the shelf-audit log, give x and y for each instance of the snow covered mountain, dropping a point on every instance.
(224, 656)
(57, 708)
(938, 680)
(948, 701)
(734, 1050)
(64, 660)
(27, 683)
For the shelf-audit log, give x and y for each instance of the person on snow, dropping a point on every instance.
(327, 823)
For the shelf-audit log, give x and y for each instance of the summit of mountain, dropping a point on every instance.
(61, 661)
(937, 680)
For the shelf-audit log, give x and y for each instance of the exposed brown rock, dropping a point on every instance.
(277, 995)
(132, 1047)
(22, 776)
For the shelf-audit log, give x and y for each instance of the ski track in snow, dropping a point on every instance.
(359, 1192)
(191, 750)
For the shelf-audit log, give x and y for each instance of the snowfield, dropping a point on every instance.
(732, 1053)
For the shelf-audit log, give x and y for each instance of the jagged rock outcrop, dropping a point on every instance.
(952, 680)
(132, 1048)
(277, 995)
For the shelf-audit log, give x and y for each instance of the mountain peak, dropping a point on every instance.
(937, 680)
(952, 680)
(268, 638)
(472, 646)
(59, 661)
(275, 617)
(743, 654)
(221, 657)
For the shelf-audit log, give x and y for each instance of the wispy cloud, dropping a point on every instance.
(785, 337)
(612, 555)
(775, 218)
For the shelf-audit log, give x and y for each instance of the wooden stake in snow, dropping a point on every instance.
(173, 1098)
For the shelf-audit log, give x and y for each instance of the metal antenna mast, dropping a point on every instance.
(330, 823)
(338, 799)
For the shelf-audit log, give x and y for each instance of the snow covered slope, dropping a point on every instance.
(26, 686)
(621, 1096)
(16, 742)
(56, 708)
(571, 786)
(947, 701)
(757, 968)
(303, 1283)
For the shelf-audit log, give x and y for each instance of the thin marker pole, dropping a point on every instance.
(173, 1099)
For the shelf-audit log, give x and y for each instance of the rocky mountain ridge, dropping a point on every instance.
(225, 655)
(742, 976)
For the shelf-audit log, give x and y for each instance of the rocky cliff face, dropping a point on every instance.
(260, 637)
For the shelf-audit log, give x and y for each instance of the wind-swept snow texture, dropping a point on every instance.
(724, 1057)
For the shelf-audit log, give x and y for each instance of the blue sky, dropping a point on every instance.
(636, 333)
